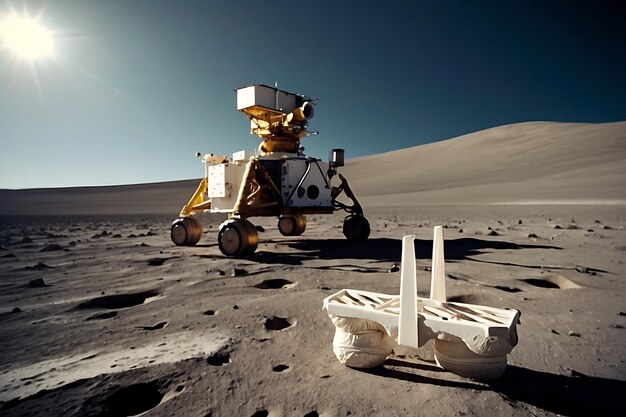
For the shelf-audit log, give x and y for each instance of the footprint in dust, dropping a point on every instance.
(276, 323)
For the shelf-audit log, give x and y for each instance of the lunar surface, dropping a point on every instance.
(102, 315)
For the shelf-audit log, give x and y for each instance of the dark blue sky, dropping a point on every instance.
(137, 87)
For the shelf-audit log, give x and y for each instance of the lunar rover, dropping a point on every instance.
(278, 180)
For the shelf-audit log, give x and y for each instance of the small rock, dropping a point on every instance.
(260, 229)
(460, 230)
(620, 313)
(150, 233)
(492, 233)
(597, 221)
(235, 307)
(616, 326)
(556, 226)
(573, 334)
(16, 310)
(554, 331)
(36, 283)
(38, 267)
(576, 373)
(72, 243)
(582, 269)
(26, 239)
(532, 236)
(394, 268)
(605, 227)
(572, 226)
(116, 236)
(238, 272)
(52, 248)
(519, 221)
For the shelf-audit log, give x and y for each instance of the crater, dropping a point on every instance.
(132, 400)
(158, 261)
(542, 283)
(118, 301)
(464, 298)
(507, 289)
(280, 368)
(552, 282)
(219, 359)
(276, 323)
(274, 284)
(157, 326)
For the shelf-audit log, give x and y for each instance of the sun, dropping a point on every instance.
(26, 37)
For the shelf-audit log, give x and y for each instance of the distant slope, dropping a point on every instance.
(523, 162)
(535, 162)
(164, 197)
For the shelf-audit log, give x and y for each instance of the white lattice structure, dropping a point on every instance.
(470, 340)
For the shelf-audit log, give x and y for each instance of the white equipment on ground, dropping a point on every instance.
(278, 180)
(470, 340)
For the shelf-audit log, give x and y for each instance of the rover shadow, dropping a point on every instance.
(560, 394)
(381, 249)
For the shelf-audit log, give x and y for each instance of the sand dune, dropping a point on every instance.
(165, 197)
(535, 162)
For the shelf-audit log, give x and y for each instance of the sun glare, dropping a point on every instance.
(26, 37)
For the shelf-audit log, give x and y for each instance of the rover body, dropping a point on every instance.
(277, 180)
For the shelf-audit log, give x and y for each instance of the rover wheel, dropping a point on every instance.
(292, 225)
(237, 237)
(356, 227)
(452, 354)
(186, 231)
